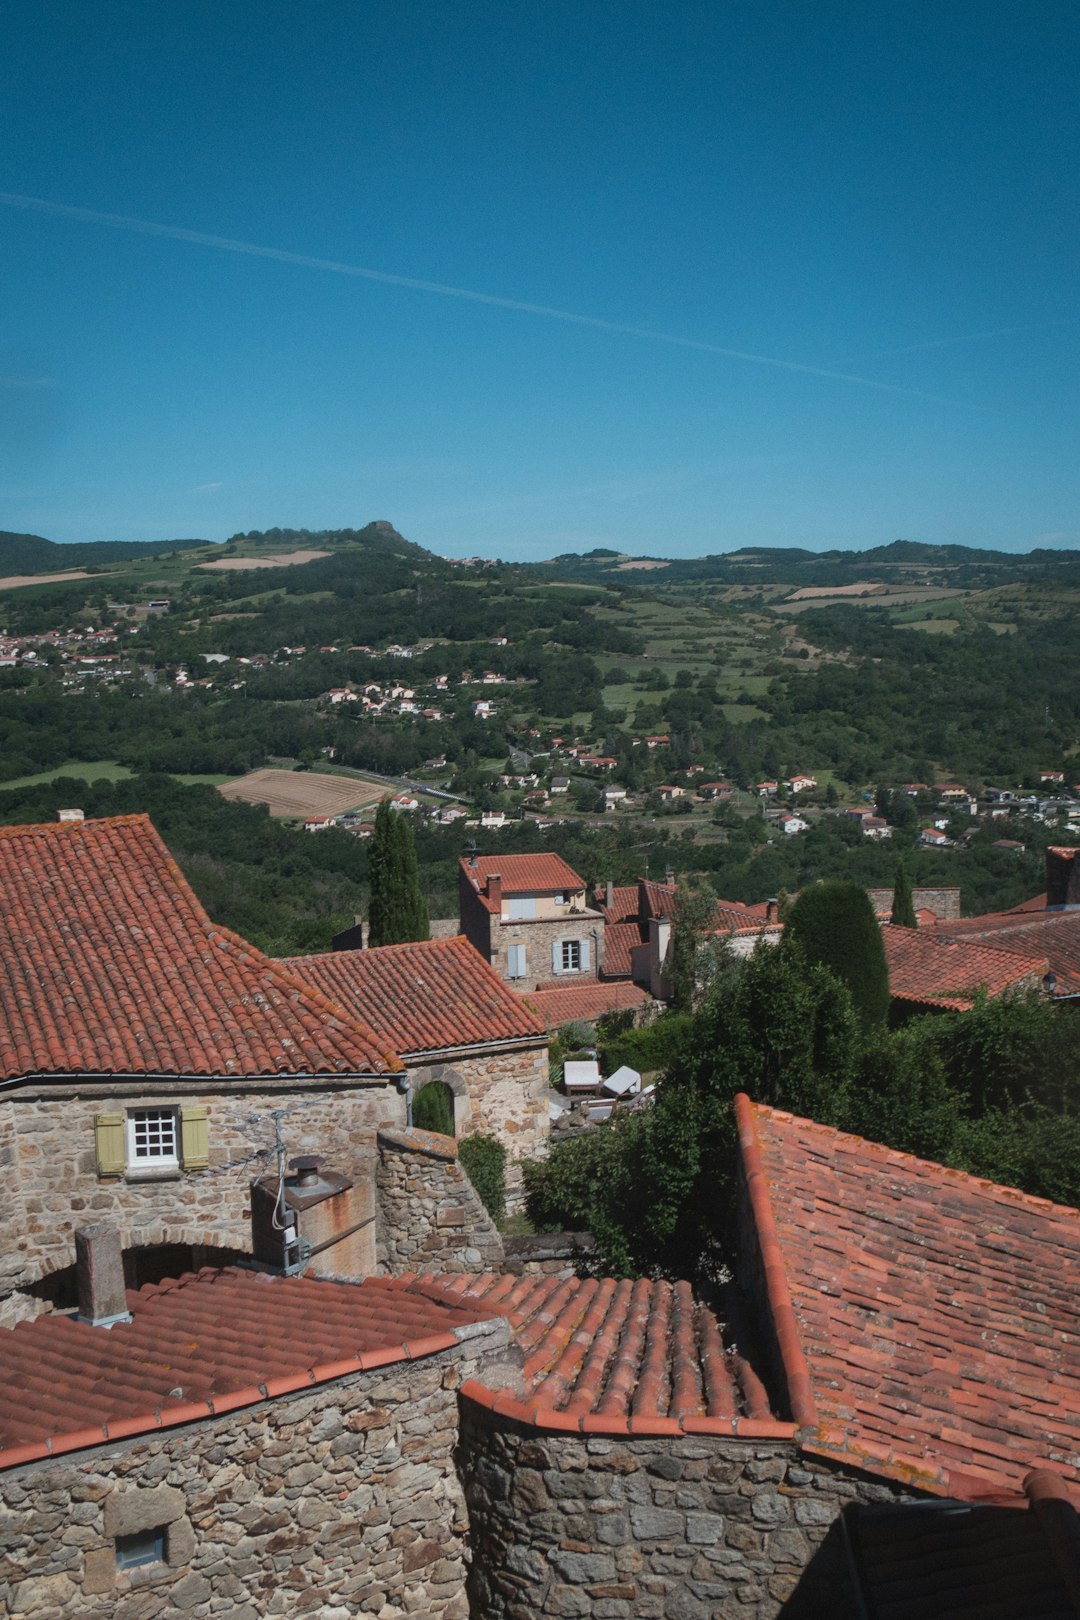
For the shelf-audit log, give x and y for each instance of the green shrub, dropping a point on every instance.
(658, 1045)
(835, 924)
(433, 1109)
(483, 1159)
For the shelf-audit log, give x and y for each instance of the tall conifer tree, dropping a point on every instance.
(903, 907)
(397, 912)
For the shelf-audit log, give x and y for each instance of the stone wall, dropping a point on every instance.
(538, 937)
(340, 1502)
(549, 1254)
(672, 1528)
(943, 902)
(430, 1217)
(501, 1094)
(50, 1184)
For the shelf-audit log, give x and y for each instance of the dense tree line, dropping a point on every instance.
(993, 1091)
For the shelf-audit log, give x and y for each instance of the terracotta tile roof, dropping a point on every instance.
(659, 898)
(584, 1002)
(111, 966)
(936, 971)
(620, 939)
(523, 874)
(939, 1314)
(731, 916)
(1053, 934)
(226, 1339)
(624, 903)
(986, 1561)
(607, 1357)
(424, 997)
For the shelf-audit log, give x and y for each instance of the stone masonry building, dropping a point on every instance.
(454, 1022)
(144, 1051)
(519, 1447)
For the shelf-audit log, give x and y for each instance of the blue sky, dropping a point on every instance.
(882, 197)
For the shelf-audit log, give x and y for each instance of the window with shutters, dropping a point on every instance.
(152, 1141)
(571, 956)
(515, 962)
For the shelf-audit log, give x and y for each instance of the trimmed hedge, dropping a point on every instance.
(484, 1162)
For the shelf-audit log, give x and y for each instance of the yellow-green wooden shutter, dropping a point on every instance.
(194, 1140)
(109, 1140)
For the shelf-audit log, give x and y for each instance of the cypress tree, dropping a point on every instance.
(414, 911)
(835, 924)
(396, 911)
(903, 907)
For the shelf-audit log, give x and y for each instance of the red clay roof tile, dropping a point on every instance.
(222, 1337)
(642, 1355)
(425, 997)
(111, 966)
(585, 1002)
(523, 874)
(1051, 934)
(939, 1314)
(936, 970)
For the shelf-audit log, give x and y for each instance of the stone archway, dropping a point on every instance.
(445, 1074)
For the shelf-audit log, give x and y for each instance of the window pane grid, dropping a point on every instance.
(153, 1133)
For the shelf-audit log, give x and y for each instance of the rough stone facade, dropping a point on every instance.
(430, 1217)
(671, 1528)
(341, 1502)
(493, 934)
(538, 937)
(501, 1094)
(943, 902)
(50, 1183)
(549, 1254)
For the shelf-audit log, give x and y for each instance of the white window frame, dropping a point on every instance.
(570, 955)
(150, 1128)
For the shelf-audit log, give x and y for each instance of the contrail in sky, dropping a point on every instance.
(963, 337)
(177, 233)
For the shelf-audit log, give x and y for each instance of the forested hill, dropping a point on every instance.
(33, 554)
(379, 538)
(969, 567)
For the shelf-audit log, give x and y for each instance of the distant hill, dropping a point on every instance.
(378, 536)
(969, 566)
(33, 554)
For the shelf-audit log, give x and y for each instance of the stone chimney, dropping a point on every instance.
(609, 894)
(770, 909)
(669, 876)
(99, 1269)
(71, 815)
(494, 889)
(1062, 878)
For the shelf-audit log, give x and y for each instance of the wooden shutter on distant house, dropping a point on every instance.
(110, 1143)
(584, 956)
(556, 956)
(194, 1137)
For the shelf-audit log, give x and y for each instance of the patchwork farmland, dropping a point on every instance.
(299, 794)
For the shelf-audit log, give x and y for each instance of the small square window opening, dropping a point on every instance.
(142, 1547)
(153, 1138)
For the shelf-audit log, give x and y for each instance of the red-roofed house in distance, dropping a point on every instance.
(455, 1023)
(528, 916)
(143, 1050)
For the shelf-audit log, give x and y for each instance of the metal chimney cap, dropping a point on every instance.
(307, 1167)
